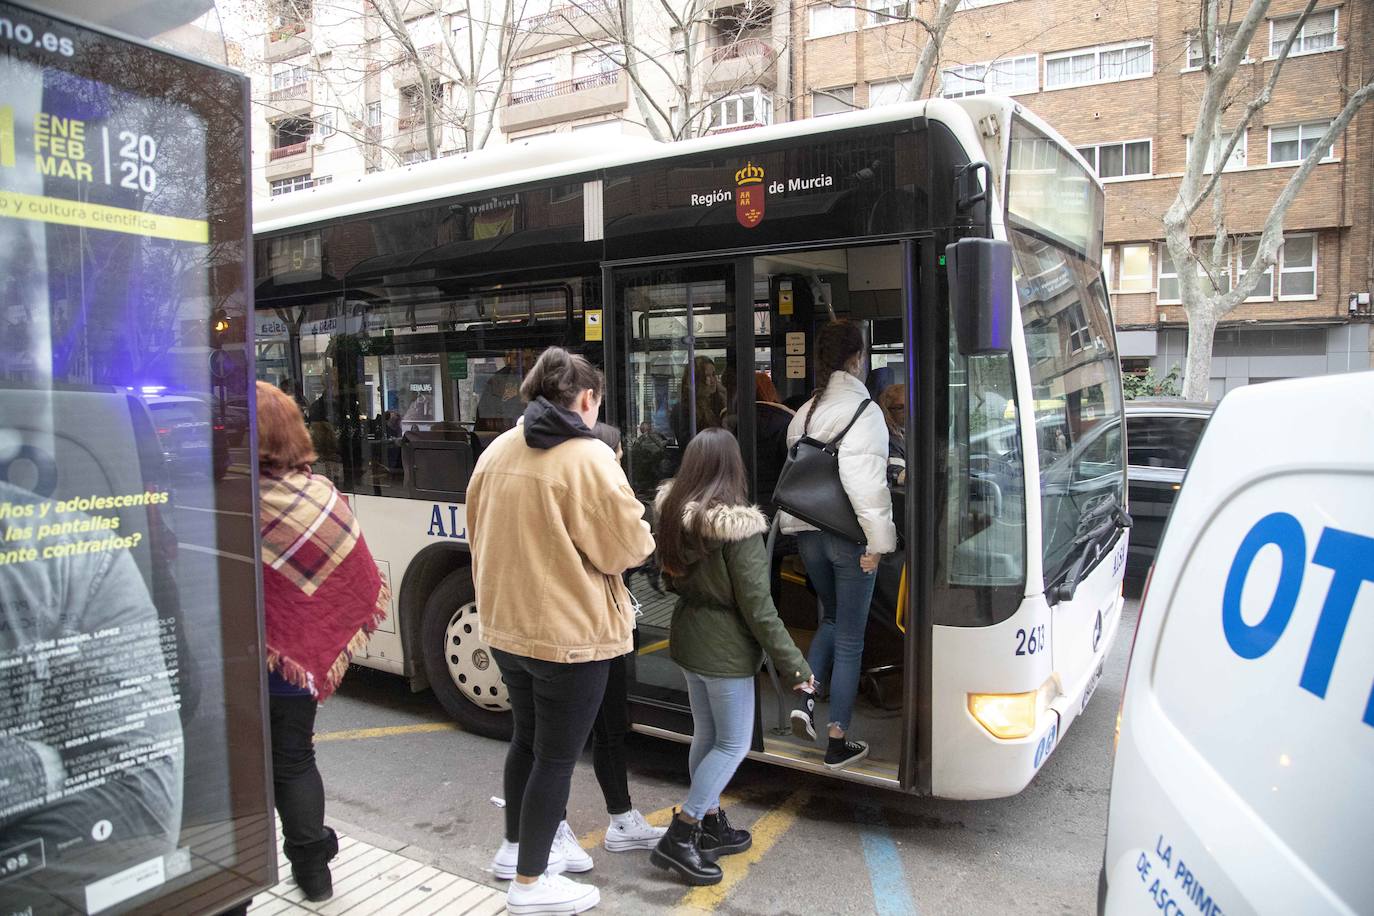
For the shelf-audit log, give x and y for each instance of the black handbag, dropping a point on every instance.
(809, 486)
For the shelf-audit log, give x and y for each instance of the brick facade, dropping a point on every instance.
(1160, 105)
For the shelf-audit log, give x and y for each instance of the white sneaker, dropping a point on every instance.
(551, 895)
(631, 831)
(566, 846)
(508, 856)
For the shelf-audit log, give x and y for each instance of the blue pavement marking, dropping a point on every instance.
(890, 894)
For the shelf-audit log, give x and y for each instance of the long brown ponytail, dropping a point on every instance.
(711, 474)
(837, 343)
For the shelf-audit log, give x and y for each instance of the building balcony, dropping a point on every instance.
(582, 97)
(404, 71)
(285, 161)
(292, 100)
(411, 134)
(563, 26)
(286, 41)
(747, 62)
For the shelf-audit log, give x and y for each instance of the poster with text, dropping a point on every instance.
(132, 771)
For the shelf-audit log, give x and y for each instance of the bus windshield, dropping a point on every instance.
(1076, 392)
(1049, 192)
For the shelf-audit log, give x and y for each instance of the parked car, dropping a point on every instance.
(1161, 436)
(1244, 768)
(192, 442)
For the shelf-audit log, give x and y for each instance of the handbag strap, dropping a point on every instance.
(834, 444)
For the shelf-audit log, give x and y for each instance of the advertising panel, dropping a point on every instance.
(132, 752)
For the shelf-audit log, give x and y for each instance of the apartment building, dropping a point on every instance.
(338, 93)
(1122, 81)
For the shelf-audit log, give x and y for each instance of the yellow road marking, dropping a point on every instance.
(766, 830)
(353, 734)
(654, 647)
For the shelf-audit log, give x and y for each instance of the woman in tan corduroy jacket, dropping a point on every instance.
(552, 523)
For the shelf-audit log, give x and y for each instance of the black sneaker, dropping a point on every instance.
(804, 717)
(841, 752)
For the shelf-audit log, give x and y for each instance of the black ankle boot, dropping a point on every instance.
(718, 838)
(310, 866)
(680, 851)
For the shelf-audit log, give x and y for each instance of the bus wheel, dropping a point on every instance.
(459, 666)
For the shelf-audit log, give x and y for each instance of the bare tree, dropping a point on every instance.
(455, 65)
(930, 52)
(674, 52)
(1224, 44)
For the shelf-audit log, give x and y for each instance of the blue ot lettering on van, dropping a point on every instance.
(436, 523)
(1348, 555)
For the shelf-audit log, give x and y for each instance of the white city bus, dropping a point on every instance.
(403, 310)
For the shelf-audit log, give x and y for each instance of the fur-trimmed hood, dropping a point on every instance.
(717, 523)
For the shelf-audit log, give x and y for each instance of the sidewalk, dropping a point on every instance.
(372, 881)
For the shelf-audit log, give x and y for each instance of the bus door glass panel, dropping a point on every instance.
(679, 379)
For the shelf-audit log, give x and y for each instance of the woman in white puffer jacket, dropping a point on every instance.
(843, 574)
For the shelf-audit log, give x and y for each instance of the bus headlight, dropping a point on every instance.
(1010, 715)
(1004, 715)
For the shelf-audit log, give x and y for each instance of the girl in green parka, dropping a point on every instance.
(712, 553)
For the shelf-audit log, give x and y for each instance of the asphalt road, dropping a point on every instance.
(395, 768)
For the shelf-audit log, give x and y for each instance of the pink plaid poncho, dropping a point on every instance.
(321, 589)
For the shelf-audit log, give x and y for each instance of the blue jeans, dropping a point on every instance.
(845, 591)
(722, 729)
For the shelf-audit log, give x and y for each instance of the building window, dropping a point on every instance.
(1118, 160)
(324, 125)
(1317, 34)
(1245, 253)
(291, 132)
(1005, 77)
(1295, 143)
(414, 157)
(297, 183)
(744, 109)
(1234, 162)
(597, 67)
(1168, 276)
(887, 12)
(1221, 41)
(1080, 330)
(1103, 64)
(1134, 274)
(831, 20)
(374, 114)
(1298, 267)
(887, 92)
(289, 76)
(531, 82)
(1107, 268)
(1169, 289)
(832, 101)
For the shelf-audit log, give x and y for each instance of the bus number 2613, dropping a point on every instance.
(1032, 641)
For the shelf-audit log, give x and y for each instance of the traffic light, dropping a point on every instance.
(219, 327)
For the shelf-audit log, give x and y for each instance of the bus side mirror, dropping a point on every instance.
(980, 294)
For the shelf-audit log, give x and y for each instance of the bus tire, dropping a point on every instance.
(459, 666)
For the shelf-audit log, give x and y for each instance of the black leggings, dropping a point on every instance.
(608, 739)
(554, 706)
(296, 780)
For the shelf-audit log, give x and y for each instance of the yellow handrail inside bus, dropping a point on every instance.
(901, 601)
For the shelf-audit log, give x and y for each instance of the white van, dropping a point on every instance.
(1244, 779)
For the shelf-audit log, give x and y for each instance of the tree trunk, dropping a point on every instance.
(1197, 375)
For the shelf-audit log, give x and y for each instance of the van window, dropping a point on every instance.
(1162, 442)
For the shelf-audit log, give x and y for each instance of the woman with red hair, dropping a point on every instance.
(323, 597)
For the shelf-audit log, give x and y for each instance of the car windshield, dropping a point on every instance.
(1076, 392)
